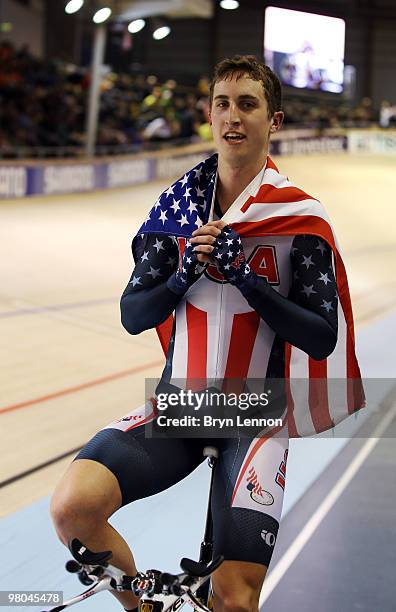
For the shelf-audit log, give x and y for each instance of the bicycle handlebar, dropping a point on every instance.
(104, 576)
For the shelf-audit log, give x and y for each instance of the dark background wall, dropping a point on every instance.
(383, 66)
(27, 19)
(185, 53)
(62, 33)
(197, 44)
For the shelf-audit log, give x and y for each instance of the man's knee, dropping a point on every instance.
(66, 513)
(242, 599)
(86, 496)
(237, 586)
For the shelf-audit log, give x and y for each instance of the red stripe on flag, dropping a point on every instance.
(291, 422)
(269, 194)
(288, 226)
(343, 293)
(355, 390)
(197, 345)
(318, 398)
(182, 245)
(243, 336)
(271, 165)
(247, 204)
(164, 332)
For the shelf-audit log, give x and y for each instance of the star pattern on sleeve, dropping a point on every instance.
(327, 305)
(307, 261)
(190, 269)
(324, 278)
(154, 272)
(314, 284)
(155, 262)
(308, 290)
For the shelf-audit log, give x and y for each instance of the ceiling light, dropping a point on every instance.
(101, 15)
(136, 25)
(73, 6)
(229, 4)
(161, 32)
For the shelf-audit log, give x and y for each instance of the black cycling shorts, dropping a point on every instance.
(248, 486)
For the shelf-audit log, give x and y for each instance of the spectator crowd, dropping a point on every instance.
(43, 109)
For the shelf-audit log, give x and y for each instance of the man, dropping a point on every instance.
(233, 319)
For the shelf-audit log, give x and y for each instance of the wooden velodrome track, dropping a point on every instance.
(67, 365)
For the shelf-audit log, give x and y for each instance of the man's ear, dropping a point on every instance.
(210, 117)
(276, 121)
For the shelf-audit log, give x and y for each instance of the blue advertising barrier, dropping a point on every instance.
(21, 179)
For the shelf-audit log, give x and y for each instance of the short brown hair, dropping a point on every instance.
(248, 64)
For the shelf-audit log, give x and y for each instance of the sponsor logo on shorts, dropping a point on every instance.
(280, 477)
(257, 493)
(268, 537)
(130, 417)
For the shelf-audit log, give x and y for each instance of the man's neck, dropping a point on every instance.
(232, 180)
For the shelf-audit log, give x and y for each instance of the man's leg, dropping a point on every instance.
(118, 466)
(237, 586)
(246, 506)
(83, 501)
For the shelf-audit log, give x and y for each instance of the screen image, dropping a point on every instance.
(305, 50)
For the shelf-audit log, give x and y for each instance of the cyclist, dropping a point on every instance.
(239, 298)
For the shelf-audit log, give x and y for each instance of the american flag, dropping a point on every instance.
(185, 205)
(278, 208)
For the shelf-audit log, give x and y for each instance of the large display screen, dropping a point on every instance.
(304, 49)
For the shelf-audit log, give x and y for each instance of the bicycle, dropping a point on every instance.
(158, 591)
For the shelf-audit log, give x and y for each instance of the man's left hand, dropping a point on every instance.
(204, 239)
(220, 244)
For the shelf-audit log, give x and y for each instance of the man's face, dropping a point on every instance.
(239, 120)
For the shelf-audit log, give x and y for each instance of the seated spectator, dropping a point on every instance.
(43, 109)
(387, 113)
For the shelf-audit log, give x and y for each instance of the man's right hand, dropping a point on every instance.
(189, 271)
